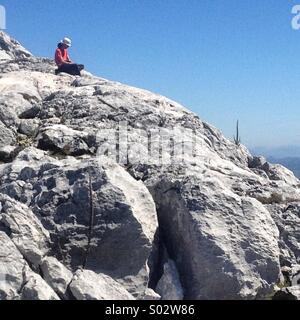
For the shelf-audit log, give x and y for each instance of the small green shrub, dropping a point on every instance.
(24, 141)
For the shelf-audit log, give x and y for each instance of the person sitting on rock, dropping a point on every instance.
(63, 60)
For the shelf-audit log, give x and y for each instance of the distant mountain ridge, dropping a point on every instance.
(288, 151)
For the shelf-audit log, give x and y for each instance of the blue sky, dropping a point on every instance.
(223, 59)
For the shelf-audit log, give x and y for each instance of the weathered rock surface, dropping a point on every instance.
(7, 153)
(237, 248)
(229, 221)
(11, 49)
(17, 280)
(87, 285)
(26, 230)
(151, 295)
(122, 210)
(287, 219)
(7, 137)
(169, 286)
(290, 293)
(12, 267)
(35, 288)
(56, 275)
(65, 140)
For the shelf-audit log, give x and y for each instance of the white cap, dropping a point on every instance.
(67, 42)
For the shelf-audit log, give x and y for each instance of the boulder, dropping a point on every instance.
(63, 139)
(96, 213)
(26, 231)
(12, 268)
(169, 286)
(35, 288)
(296, 275)
(56, 275)
(87, 285)
(6, 153)
(17, 280)
(287, 219)
(256, 162)
(12, 48)
(290, 293)
(224, 246)
(4, 56)
(7, 137)
(29, 127)
(151, 295)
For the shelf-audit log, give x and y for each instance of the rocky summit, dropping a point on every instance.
(113, 192)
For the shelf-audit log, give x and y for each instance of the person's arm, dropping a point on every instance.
(68, 58)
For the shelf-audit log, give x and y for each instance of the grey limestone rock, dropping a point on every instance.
(98, 175)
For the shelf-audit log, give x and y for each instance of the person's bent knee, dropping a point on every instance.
(81, 67)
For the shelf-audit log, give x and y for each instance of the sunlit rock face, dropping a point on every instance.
(103, 185)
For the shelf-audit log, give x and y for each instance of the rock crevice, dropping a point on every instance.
(177, 207)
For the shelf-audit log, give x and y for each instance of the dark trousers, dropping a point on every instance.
(72, 69)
